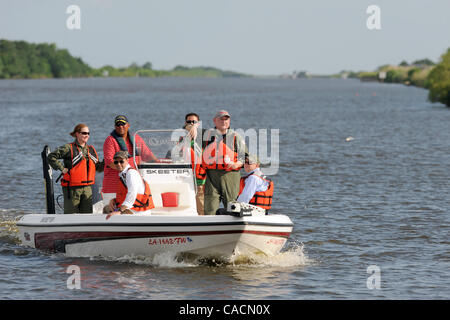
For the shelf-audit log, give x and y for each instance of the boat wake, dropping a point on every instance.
(10, 243)
(8, 227)
(293, 256)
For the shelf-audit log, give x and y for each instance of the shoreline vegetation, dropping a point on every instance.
(23, 60)
(420, 73)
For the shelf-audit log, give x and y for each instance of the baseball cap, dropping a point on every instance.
(252, 159)
(222, 113)
(121, 155)
(120, 119)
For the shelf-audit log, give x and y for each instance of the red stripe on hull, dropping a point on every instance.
(48, 241)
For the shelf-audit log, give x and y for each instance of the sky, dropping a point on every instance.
(260, 37)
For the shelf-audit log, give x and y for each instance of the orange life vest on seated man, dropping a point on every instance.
(217, 155)
(262, 199)
(143, 202)
(82, 172)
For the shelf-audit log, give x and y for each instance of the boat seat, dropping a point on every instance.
(186, 198)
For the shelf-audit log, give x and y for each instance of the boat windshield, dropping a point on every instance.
(162, 147)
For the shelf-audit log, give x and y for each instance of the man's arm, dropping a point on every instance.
(241, 149)
(146, 153)
(109, 149)
(249, 190)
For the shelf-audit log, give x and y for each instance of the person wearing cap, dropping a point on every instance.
(133, 192)
(121, 139)
(255, 188)
(79, 164)
(222, 158)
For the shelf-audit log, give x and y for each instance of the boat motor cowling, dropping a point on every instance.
(242, 209)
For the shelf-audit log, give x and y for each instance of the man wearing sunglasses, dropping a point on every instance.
(133, 192)
(255, 188)
(195, 133)
(121, 139)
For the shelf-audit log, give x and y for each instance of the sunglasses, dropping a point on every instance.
(84, 133)
(120, 124)
(118, 161)
(191, 121)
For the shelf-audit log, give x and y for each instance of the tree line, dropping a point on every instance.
(19, 59)
(439, 81)
(23, 60)
(422, 73)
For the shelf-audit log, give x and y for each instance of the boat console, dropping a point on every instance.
(171, 178)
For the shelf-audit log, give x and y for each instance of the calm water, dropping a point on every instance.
(364, 175)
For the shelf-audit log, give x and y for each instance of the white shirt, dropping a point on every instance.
(253, 184)
(134, 185)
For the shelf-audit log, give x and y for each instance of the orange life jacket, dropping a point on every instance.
(261, 199)
(217, 155)
(196, 161)
(200, 172)
(82, 172)
(143, 202)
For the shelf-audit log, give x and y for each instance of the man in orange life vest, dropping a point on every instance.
(255, 188)
(133, 192)
(223, 157)
(121, 139)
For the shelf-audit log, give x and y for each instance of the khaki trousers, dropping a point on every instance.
(200, 200)
(79, 201)
(220, 186)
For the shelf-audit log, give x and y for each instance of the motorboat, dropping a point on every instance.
(173, 225)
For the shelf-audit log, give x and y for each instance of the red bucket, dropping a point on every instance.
(170, 199)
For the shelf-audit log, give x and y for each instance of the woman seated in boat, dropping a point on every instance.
(255, 188)
(80, 161)
(133, 192)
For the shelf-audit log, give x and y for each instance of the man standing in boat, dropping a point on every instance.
(133, 192)
(195, 134)
(121, 139)
(223, 157)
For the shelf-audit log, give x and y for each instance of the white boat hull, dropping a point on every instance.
(82, 235)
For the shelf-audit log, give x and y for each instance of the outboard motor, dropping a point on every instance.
(241, 209)
(48, 181)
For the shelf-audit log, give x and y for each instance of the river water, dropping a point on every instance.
(363, 174)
